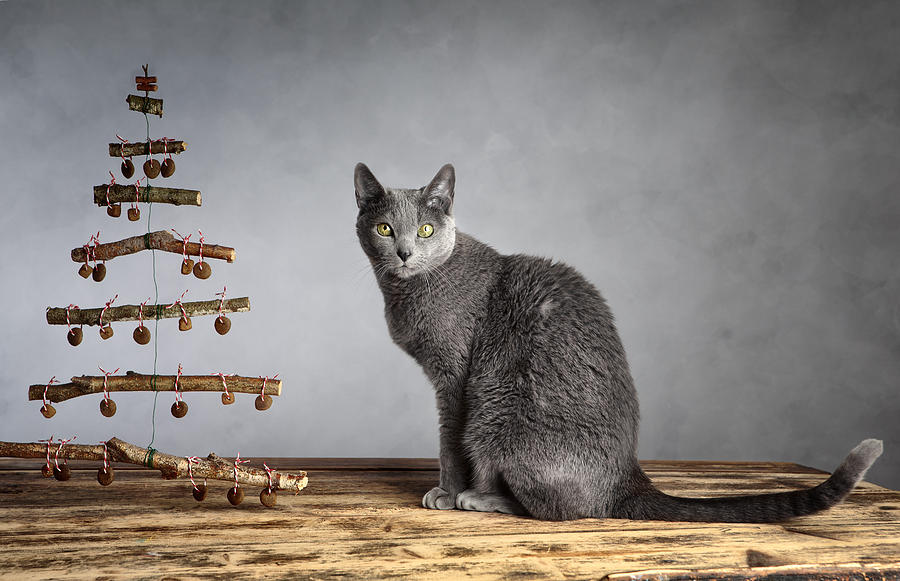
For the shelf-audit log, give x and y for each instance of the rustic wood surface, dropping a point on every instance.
(159, 240)
(130, 149)
(362, 519)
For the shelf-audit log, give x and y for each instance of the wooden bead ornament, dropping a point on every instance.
(227, 396)
(134, 213)
(99, 272)
(61, 473)
(85, 270)
(106, 331)
(180, 407)
(151, 168)
(141, 334)
(47, 409)
(267, 495)
(89, 252)
(202, 270)
(105, 474)
(127, 165)
(114, 210)
(184, 323)
(74, 334)
(107, 405)
(107, 408)
(187, 266)
(127, 168)
(223, 323)
(199, 491)
(263, 400)
(168, 165)
(236, 493)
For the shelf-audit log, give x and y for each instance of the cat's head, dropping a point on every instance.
(405, 232)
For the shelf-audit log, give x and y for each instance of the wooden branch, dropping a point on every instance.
(88, 385)
(159, 240)
(57, 315)
(170, 466)
(119, 193)
(140, 148)
(147, 105)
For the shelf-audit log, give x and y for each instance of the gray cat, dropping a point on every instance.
(538, 412)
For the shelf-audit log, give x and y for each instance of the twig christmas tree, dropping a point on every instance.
(93, 256)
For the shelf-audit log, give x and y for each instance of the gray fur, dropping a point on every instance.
(538, 412)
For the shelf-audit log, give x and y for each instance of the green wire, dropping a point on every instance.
(156, 301)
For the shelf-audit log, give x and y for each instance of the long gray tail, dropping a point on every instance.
(646, 502)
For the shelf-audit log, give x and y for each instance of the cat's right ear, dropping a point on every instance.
(367, 187)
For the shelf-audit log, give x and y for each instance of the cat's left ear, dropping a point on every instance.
(439, 193)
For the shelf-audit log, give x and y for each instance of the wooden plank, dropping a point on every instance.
(366, 522)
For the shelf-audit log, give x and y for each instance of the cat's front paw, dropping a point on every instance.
(439, 499)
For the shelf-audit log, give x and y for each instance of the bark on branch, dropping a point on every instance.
(160, 240)
(140, 148)
(119, 193)
(147, 105)
(57, 315)
(212, 467)
(88, 385)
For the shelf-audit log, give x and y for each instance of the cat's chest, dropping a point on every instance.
(431, 331)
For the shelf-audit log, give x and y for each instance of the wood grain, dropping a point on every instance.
(357, 521)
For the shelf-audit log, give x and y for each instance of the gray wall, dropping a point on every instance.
(725, 172)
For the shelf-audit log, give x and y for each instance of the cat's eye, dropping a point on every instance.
(384, 230)
(426, 230)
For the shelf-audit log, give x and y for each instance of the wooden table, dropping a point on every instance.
(361, 518)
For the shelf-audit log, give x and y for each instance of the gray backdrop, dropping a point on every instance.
(725, 172)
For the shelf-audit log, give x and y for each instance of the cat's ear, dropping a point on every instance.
(439, 193)
(367, 187)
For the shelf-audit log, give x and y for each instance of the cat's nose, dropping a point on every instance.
(403, 254)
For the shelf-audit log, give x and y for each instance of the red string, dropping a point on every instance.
(71, 306)
(137, 193)
(201, 245)
(184, 243)
(105, 458)
(193, 460)
(178, 396)
(223, 376)
(265, 380)
(237, 461)
(165, 142)
(222, 302)
(269, 475)
(58, 450)
(141, 313)
(108, 304)
(178, 302)
(106, 375)
(44, 397)
(124, 143)
(50, 441)
(111, 184)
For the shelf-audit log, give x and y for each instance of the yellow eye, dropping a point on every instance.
(384, 229)
(426, 230)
